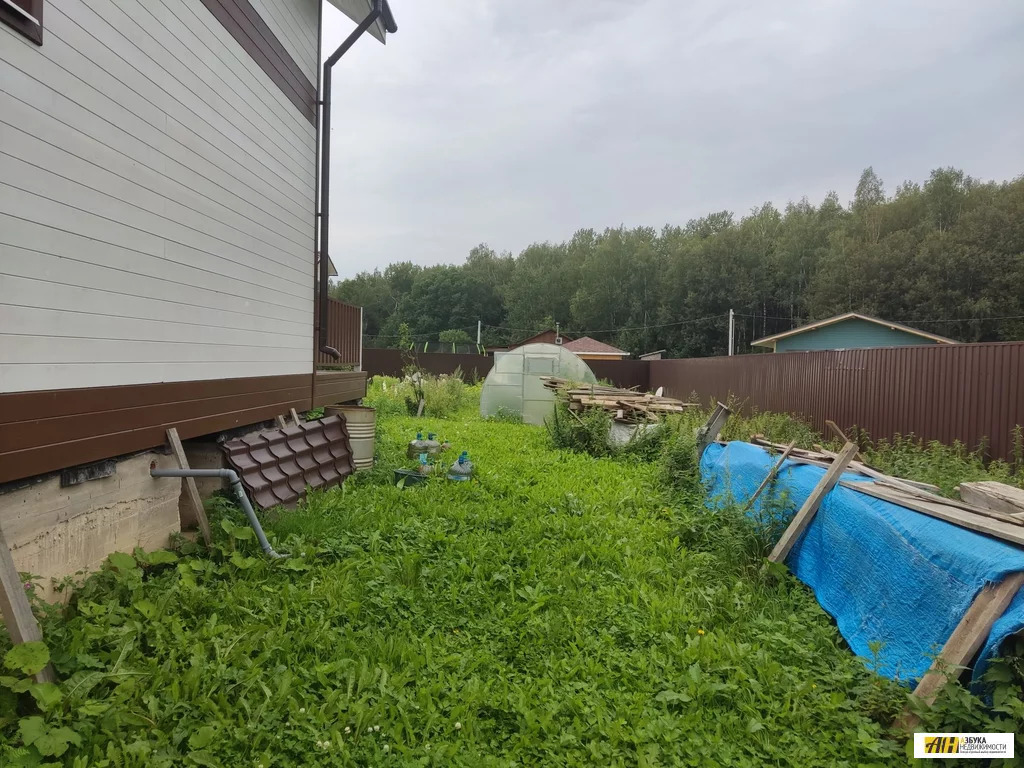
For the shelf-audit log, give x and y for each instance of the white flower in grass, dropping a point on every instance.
(347, 729)
(458, 726)
(427, 747)
(376, 728)
(387, 748)
(302, 710)
(369, 729)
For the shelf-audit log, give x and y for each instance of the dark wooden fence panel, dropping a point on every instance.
(966, 392)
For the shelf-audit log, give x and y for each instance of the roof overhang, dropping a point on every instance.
(769, 341)
(357, 10)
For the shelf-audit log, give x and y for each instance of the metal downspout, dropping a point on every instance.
(236, 485)
(380, 9)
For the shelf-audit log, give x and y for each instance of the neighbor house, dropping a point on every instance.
(850, 331)
(548, 336)
(158, 217)
(592, 349)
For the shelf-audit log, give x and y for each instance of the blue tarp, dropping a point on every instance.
(886, 574)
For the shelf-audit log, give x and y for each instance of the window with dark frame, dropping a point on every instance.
(25, 16)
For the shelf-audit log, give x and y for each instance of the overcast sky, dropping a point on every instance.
(515, 121)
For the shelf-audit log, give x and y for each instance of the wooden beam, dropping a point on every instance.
(17, 611)
(997, 497)
(810, 506)
(295, 417)
(970, 634)
(709, 432)
(281, 423)
(1012, 532)
(771, 473)
(834, 428)
(191, 492)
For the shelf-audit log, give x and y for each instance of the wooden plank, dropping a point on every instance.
(810, 506)
(17, 611)
(900, 494)
(970, 634)
(1011, 532)
(774, 471)
(997, 497)
(834, 428)
(281, 423)
(295, 417)
(709, 432)
(191, 492)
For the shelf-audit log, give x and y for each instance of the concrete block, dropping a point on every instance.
(56, 532)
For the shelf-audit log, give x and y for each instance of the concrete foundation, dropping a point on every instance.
(56, 532)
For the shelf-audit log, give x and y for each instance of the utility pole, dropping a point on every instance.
(732, 328)
(478, 333)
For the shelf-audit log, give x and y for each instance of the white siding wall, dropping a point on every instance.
(156, 200)
(289, 20)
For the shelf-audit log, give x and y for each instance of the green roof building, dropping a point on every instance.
(850, 331)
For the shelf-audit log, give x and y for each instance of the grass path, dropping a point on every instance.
(553, 612)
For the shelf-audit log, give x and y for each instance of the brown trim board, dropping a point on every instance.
(338, 387)
(45, 431)
(250, 30)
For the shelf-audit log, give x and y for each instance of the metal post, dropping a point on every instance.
(732, 328)
(380, 9)
(361, 328)
(478, 333)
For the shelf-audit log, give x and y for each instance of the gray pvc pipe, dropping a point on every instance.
(236, 484)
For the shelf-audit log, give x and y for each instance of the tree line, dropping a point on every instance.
(946, 256)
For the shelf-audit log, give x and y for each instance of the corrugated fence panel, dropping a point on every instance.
(966, 392)
(389, 362)
(622, 373)
(344, 333)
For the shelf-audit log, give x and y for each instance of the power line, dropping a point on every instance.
(610, 330)
(905, 321)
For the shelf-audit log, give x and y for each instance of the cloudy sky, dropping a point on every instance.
(515, 121)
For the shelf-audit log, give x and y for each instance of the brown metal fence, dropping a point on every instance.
(622, 373)
(389, 362)
(966, 392)
(344, 333)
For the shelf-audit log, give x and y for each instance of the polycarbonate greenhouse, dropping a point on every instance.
(514, 383)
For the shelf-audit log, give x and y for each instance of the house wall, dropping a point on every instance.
(850, 334)
(157, 199)
(290, 22)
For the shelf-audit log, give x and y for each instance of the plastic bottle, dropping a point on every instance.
(432, 444)
(424, 468)
(417, 446)
(462, 469)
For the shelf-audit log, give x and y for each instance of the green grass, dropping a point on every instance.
(558, 610)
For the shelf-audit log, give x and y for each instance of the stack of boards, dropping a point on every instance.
(625, 405)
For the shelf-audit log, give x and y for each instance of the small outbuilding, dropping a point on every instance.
(849, 331)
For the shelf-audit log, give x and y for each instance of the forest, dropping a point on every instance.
(945, 255)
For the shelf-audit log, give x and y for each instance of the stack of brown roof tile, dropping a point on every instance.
(278, 465)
